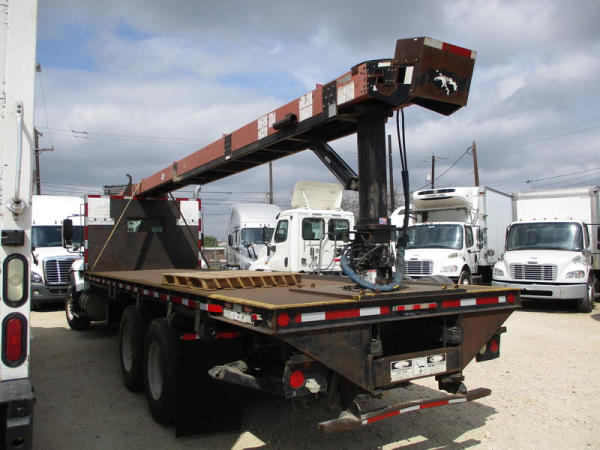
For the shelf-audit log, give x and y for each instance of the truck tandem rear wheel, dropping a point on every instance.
(131, 349)
(160, 370)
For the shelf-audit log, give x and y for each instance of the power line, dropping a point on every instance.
(38, 69)
(564, 175)
(554, 137)
(74, 133)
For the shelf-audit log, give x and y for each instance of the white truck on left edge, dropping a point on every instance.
(52, 260)
(17, 77)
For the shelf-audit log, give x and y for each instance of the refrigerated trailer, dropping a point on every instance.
(189, 337)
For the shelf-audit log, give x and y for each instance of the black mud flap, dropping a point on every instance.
(205, 405)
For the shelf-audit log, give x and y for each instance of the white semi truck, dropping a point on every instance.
(457, 232)
(17, 72)
(52, 259)
(250, 225)
(309, 237)
(552, 247)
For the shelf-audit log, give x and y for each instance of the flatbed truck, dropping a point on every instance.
(190, 338)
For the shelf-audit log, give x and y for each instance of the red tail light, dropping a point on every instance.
(296, 379)
(283, 320)
(494, 346)
(14, 339)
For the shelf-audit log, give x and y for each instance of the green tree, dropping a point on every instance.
(209, 241)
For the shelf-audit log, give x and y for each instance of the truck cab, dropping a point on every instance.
(309, 237)
(51, 259)
(548, 260)
(250, 225)
(448, 248)
(552, 247)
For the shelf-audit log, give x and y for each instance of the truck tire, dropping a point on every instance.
(160, 370)
(131, 349)
(75, 319)
(465, 277)
(586, 304)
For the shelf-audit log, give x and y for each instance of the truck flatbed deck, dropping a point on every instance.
(314, 302)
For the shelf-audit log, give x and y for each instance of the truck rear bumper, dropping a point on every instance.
(16, 413)
(547, 291)
(349, 419)
(41, 294)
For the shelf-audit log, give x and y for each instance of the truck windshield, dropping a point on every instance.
(545, 236)
(435, 236)
(50, 236)
(255, 235)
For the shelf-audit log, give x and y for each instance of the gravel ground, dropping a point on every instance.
(544, 394)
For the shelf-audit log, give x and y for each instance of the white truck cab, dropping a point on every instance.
(552, 250)
(250, 225)
(309, 237)
(51, 260)
(457, 232)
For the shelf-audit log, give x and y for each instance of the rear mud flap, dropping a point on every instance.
(205, 405)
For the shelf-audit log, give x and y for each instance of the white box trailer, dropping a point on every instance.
(457, 232)
(17, 78)
(552, 247)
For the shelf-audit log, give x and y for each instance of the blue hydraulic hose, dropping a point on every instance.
(396, 282)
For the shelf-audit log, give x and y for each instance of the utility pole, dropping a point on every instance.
(391, 166)
(271, 183)
(475, 166)
(432, 171)
(37, 151)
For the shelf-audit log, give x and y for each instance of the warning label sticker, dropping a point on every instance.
(417, 367)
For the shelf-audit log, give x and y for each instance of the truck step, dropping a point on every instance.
(227, 279)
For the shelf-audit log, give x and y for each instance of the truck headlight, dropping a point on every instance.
(498, 272)
(575, 274)
(36, 278)
(447, 269)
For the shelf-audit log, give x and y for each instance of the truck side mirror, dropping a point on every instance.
(67, 230)
(265, 236)
(230, 240)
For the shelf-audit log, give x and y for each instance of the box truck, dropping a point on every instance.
(457, 232)
(552, 247)
(51, 259)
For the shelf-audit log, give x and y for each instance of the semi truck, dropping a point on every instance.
(250, 226)
(51, 258)
(309, 237)
(553, 246)
(191, 338)
(17, 72)
(457, 232)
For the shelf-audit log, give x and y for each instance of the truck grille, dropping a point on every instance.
(56, 270)
(419, 267)
(533, 272)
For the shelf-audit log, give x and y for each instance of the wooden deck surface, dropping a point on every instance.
(309, 292)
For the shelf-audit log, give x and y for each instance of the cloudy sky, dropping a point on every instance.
(129, 87)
